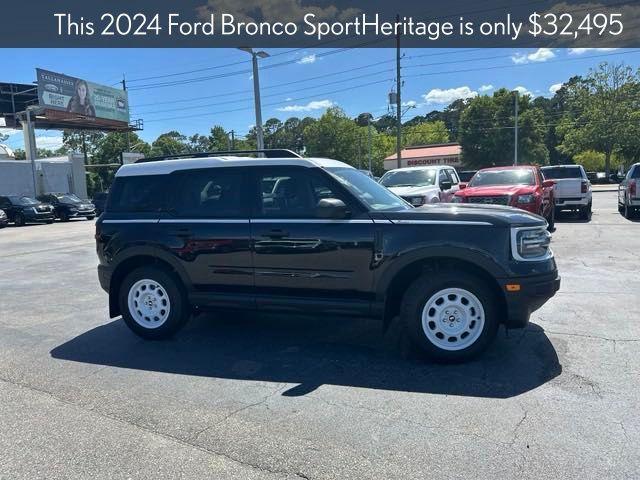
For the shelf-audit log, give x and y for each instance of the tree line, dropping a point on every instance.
(593, 120)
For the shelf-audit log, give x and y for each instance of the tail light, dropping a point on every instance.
(632, 188)
(585, 186)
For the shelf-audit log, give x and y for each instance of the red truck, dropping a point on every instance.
(521, 187)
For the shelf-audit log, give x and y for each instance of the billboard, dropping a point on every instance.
(76, 96)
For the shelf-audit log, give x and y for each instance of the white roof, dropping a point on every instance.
(163, 167)
(422, 167)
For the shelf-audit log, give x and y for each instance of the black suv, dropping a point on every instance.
(22, 210)
(67, 206)
(315, 236)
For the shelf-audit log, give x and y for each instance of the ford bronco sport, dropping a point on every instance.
(305, 235)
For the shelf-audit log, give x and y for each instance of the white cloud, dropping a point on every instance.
(10, 131)
(580, 51)
(486, 88)
(49, 142)
(523, 91)
(540, 55)
(314, 105)
(307, 59)
(555, 87)
(438, 95)
(410, 103)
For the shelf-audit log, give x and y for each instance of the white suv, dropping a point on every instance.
(423, 185)
(572, 190)
(629, 192)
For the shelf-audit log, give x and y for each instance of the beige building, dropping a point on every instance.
(426, 155)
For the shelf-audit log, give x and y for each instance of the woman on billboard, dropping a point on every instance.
(80, 102)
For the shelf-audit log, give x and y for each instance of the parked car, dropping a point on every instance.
(4, 220)
(422, 185)
(22, 210)
(99, 200)
(67, 206)
(315, 236)
(629, 192)
(466, 175)
(521, 187)
(572, 190)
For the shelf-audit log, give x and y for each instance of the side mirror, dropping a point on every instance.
(331, 208)
(548, 183)
(462, 185)
(445, 185)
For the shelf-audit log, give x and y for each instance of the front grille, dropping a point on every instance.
(495, 200)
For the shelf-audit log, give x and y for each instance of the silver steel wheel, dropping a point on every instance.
(149, 304)
(453, 319)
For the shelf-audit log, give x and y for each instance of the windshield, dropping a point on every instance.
(374, 195)
(69, 198)
(503, 177)
(555, 173)
(23, 201)
(409, 178)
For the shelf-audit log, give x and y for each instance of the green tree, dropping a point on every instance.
(486, 131)
(170, 143)
(334, 135)
(219, 140)
(426, 134)
(602, 107)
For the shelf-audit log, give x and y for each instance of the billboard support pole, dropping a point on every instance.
(30, 145)
(398, 102)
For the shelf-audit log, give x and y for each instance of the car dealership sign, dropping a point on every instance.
(81, 98)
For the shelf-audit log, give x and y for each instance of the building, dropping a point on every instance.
(425, 155)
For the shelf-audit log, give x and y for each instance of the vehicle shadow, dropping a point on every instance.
(570, 217)
(311, 352)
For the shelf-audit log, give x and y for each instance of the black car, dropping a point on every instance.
(315, 236)
(466, 175)
(22, 210)
(99, 200)
(67, 206)
(4, 220)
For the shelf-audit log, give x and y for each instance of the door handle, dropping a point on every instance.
(276, 233)
(182, 232)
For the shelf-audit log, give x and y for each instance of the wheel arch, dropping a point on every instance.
(396, 284)
(141, 258)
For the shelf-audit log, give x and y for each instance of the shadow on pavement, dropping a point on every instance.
(311, 352)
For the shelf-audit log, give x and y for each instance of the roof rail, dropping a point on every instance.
(268, 153)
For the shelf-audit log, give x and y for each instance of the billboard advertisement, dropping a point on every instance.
(74, 95)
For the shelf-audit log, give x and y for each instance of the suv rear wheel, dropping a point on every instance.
(451, 318)
(152, 303)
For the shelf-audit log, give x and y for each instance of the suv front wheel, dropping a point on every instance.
(152, 303)
(450, 318)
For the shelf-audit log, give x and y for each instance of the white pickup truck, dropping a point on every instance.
(629, 192)
(572, 189)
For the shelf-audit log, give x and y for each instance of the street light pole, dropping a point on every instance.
(515, 148)
(256, 93)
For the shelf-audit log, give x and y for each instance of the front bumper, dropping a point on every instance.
(4, 221)
(533, 292)
(82, 213)
(39, 217)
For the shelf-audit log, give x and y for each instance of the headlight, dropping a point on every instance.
(456, 199)
(531, 244)
(2, 214)
(416, 201)
(526, 198)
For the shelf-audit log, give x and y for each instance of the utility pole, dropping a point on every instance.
(256, 93)
(398, 100)
(515, 148)
(124, 87)
(369, 132)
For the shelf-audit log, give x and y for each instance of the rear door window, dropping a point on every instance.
(210, 193)
(635, 173)
(138, 194)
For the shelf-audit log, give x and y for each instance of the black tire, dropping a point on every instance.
(425, 287)
(627, 211)
(90, 217)
(551, 220)
(49, 222)
(19, 220)
(64, 216)
(585, 212)
(179, 309)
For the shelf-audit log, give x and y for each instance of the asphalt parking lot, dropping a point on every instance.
(242, 396)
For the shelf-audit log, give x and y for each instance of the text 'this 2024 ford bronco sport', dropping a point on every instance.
(315, 235)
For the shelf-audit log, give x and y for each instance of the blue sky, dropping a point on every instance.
(192, 104)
